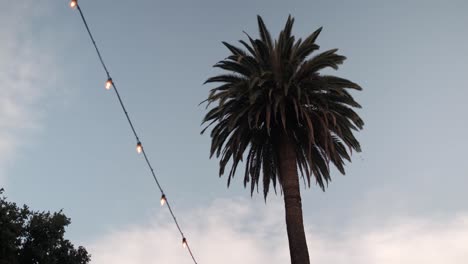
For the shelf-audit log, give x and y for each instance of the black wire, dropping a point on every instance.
(134, 132)
(92, 39)
(126, 113)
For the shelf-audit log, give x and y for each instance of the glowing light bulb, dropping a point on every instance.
(184, 242)
(139, 147)
(109, 84)
(73, 3)
(163, 199)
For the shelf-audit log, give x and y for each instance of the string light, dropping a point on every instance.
(109, 84)
(73, 3)
(139, 147)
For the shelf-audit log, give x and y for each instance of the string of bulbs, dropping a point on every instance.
(109, 84)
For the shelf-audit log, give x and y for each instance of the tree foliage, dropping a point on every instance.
(274, 87)
(30, 237)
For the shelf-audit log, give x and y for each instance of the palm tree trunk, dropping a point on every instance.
(292, 200)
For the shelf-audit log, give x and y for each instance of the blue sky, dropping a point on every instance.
(65, 143)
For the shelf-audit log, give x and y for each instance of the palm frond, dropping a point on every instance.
(273, 87)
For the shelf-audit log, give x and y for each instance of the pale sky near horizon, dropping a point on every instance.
(65, 143)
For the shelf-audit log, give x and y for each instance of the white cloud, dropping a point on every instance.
(239, 232)
(24, 78)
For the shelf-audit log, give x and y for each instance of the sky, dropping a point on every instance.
(65, 143)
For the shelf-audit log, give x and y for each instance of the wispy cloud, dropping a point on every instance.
(24, 78)
(237, 232)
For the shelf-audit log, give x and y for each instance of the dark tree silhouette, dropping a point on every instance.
(28, 237)
(273, 105)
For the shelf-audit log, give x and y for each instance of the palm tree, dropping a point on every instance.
(274, 106)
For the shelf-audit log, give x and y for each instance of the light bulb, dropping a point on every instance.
(73, 3)
(109, 84)
(139, 147)
(163, 199)
(184, 242)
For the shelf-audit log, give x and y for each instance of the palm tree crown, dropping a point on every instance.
(274, 88)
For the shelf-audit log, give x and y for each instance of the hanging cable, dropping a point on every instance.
(140, 149)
